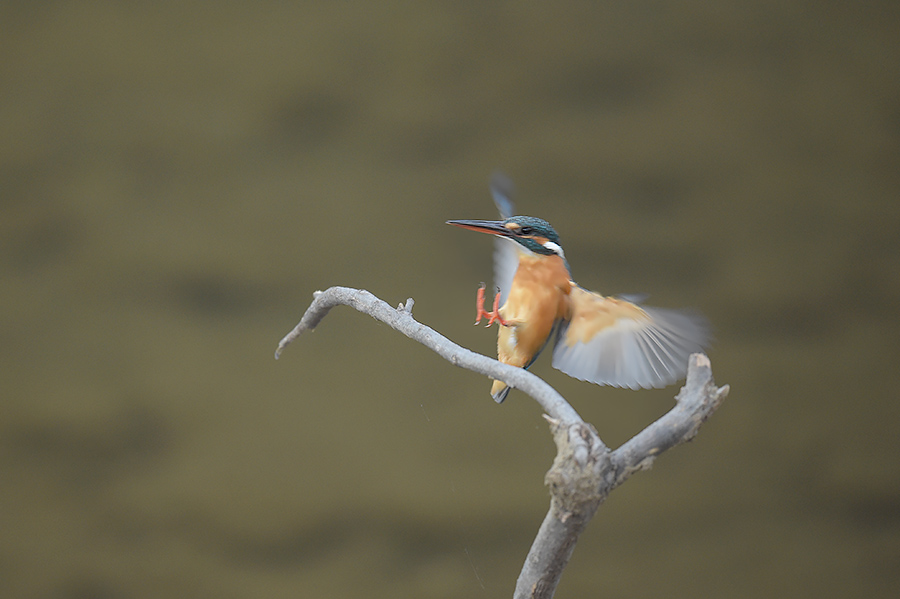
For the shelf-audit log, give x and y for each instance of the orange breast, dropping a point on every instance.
(538, 297)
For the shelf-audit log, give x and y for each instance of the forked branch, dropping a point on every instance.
(585, 471)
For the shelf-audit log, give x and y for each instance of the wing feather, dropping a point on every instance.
(502, 191)
(506, 262)
(614, 342)
(506, 251)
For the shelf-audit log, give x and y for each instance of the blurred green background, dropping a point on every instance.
(177, 178)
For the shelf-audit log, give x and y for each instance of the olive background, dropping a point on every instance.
(177, 178)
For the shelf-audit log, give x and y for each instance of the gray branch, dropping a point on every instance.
(585, 471)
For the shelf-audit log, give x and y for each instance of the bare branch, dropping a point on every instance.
(695, 403)
(584, 471)
(401, 319)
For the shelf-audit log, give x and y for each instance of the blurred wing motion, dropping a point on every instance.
(502, 190)
(614, 342)
(506, 251)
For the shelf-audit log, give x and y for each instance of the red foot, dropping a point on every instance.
(492, 316)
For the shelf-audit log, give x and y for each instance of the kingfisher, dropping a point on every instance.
(606, 340)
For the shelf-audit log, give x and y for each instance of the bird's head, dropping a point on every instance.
(534, 234)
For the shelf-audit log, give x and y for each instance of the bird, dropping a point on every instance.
(607, 340)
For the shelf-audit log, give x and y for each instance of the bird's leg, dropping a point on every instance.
(492, 316)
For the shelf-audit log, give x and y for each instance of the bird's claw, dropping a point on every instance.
(492, 316)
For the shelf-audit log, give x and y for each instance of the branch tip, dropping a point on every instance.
(699, 375)
(700, 360)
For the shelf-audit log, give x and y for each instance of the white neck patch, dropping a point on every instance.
(555, 248)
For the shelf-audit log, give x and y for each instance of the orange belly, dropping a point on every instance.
(538, 297)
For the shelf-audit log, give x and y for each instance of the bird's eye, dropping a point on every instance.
(526, 231)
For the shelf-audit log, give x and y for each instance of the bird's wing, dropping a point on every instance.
(502, 190)
(506, 251)
(615, 342)
(506, 262)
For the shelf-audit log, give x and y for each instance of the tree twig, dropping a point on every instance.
(401, 319)
(584, 471)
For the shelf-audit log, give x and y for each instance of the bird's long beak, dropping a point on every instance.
(494, 227)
